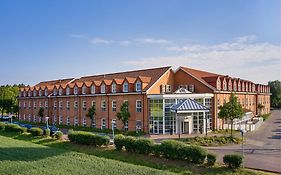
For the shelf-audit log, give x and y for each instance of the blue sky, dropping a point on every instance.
(44, 40)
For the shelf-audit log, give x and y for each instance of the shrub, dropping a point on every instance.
(47, 132)
(198, 154)
(58, 135)
(87, 138)
(233, 161)
(15, 128)
(143, 145)
(2, 126)
(171, 149)
(211, 159)
(157, 150)
(134, 133)
(119, 142)
(129, 143)
(36, 131)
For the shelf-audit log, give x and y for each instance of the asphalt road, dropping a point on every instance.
(262, 149)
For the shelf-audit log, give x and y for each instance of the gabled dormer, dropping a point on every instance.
(234, 84)
(224, 84)
(242, 85)
(141, 82)
(128, 84)
(116, 85)
(218, 84)
(229, 84)
(238, 85)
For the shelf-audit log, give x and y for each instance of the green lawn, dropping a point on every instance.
(24, 154)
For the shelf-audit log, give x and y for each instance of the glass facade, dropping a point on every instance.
(162, 120)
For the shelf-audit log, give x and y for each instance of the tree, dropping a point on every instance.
(275, 89)
(260, 107)
(41, 113)
(5, 105)
(124, 114)
(231, 110)
(91, 113)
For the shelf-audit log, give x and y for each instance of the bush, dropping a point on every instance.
(233, 161)
(58, 135)
(157, 150)
(15, 128)
(129, 143)
(119, 142)
(211, 159)
(47, 132)
(197, 154)
(134, 133)
(171, 149)
(143, 145)
(87, 138)
(36, 131)
(2, 126)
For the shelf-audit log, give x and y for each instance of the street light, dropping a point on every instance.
(47, 118)
(112, 126)
(242, 133)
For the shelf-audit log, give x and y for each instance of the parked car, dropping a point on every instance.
(53, 129)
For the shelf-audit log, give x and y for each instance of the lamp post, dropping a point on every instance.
(47, 119)
(242, 133)
(112, 126)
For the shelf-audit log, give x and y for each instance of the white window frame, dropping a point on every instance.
(84, 88)
(138, 86)
(126, 87)
(126, 127)
(40, 92)
(60, 91)
(67, 120)
(46, 92)
(24, 93)
(138, 106)
(113, 87)
(55, 104)
(84, 121)
(24, 104)
(67, 105)
(60, 120)
(102, 88)
(114, 105)
(55, 92)
(94, 103)
(103, 123)
(60, 104)
(75, 121)
(67, 91)
(84, 105)
(103, 105)
(46, 104)
(75, 90)
(34, 104)
(34, 93)
(40, 104)
(75, 104)
(93, 89)
(29, 93)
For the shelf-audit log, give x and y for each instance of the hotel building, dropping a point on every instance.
(160, 100)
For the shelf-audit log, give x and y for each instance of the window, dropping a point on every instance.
(67, 120)
(46, 104)
(40, 92)
(113, 105)
(60, 120)
(138, 106)
(218, 84)
(84, 105)
(55, 92)
(94, 103)
(126, 125)
(75, 90)
(138, 125)
(75, 105)
(29, 117)
(102, 89)
(113, 124)
(239, 86)
(34, 93)
(40, 104)
(103, 105)
(94, 123)
(234, 86)
(168, 88)
(24, 104)
(55, 104)
(67, 105)
(29, 93)
(224, 85)
(138, 86)
(34, 105)
(229, 85)
(125, 87)
(191, 88)
(29, 105)
(67, 91)
(84, 88)
(34, 119)
(75, 121)
(60, 91)
(84, 121)
(60, 104)
(24, 94)
(93, 89)
(103, 124)
(113, 87)
(46, 92)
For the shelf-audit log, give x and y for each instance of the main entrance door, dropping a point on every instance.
(185, 127)
(156, 127)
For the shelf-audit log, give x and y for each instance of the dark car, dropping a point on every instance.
(28, 126)
(53, 129)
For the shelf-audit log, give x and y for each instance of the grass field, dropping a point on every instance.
(24, 154)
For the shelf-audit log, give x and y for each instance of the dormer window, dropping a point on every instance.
(224, 85)
(239, 86)
(24, 93)
(254, 88)
(55, 92)
(243, 86)
(229, 85)
(46, 92)
(40, 92)
(60, 91)
(84, 89)
(67, 91)
(34, 93)
(75, 90)
(113, 87)
(93, 89)
(234, 86)
(218, 84)
(102, 88)
(125, 87)
(138, 86)
(29, 93)
(20, 94)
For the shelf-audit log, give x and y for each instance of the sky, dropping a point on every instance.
(54, 39)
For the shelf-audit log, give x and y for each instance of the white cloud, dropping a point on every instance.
(151, 41)
(247, 38)
(259, 62)
(101, 41)
(124, 42)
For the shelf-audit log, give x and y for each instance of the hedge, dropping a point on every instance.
(2, 126)
(129, 143)
(211, 159)
(172, 149)
(233, 161)
(15, 128)
(36, 131)
(58, 135)
(87, 138)
(119, 142)
(143, 145)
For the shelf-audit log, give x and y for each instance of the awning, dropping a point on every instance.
(189, 105)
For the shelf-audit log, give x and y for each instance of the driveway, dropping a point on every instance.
(262, 149)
